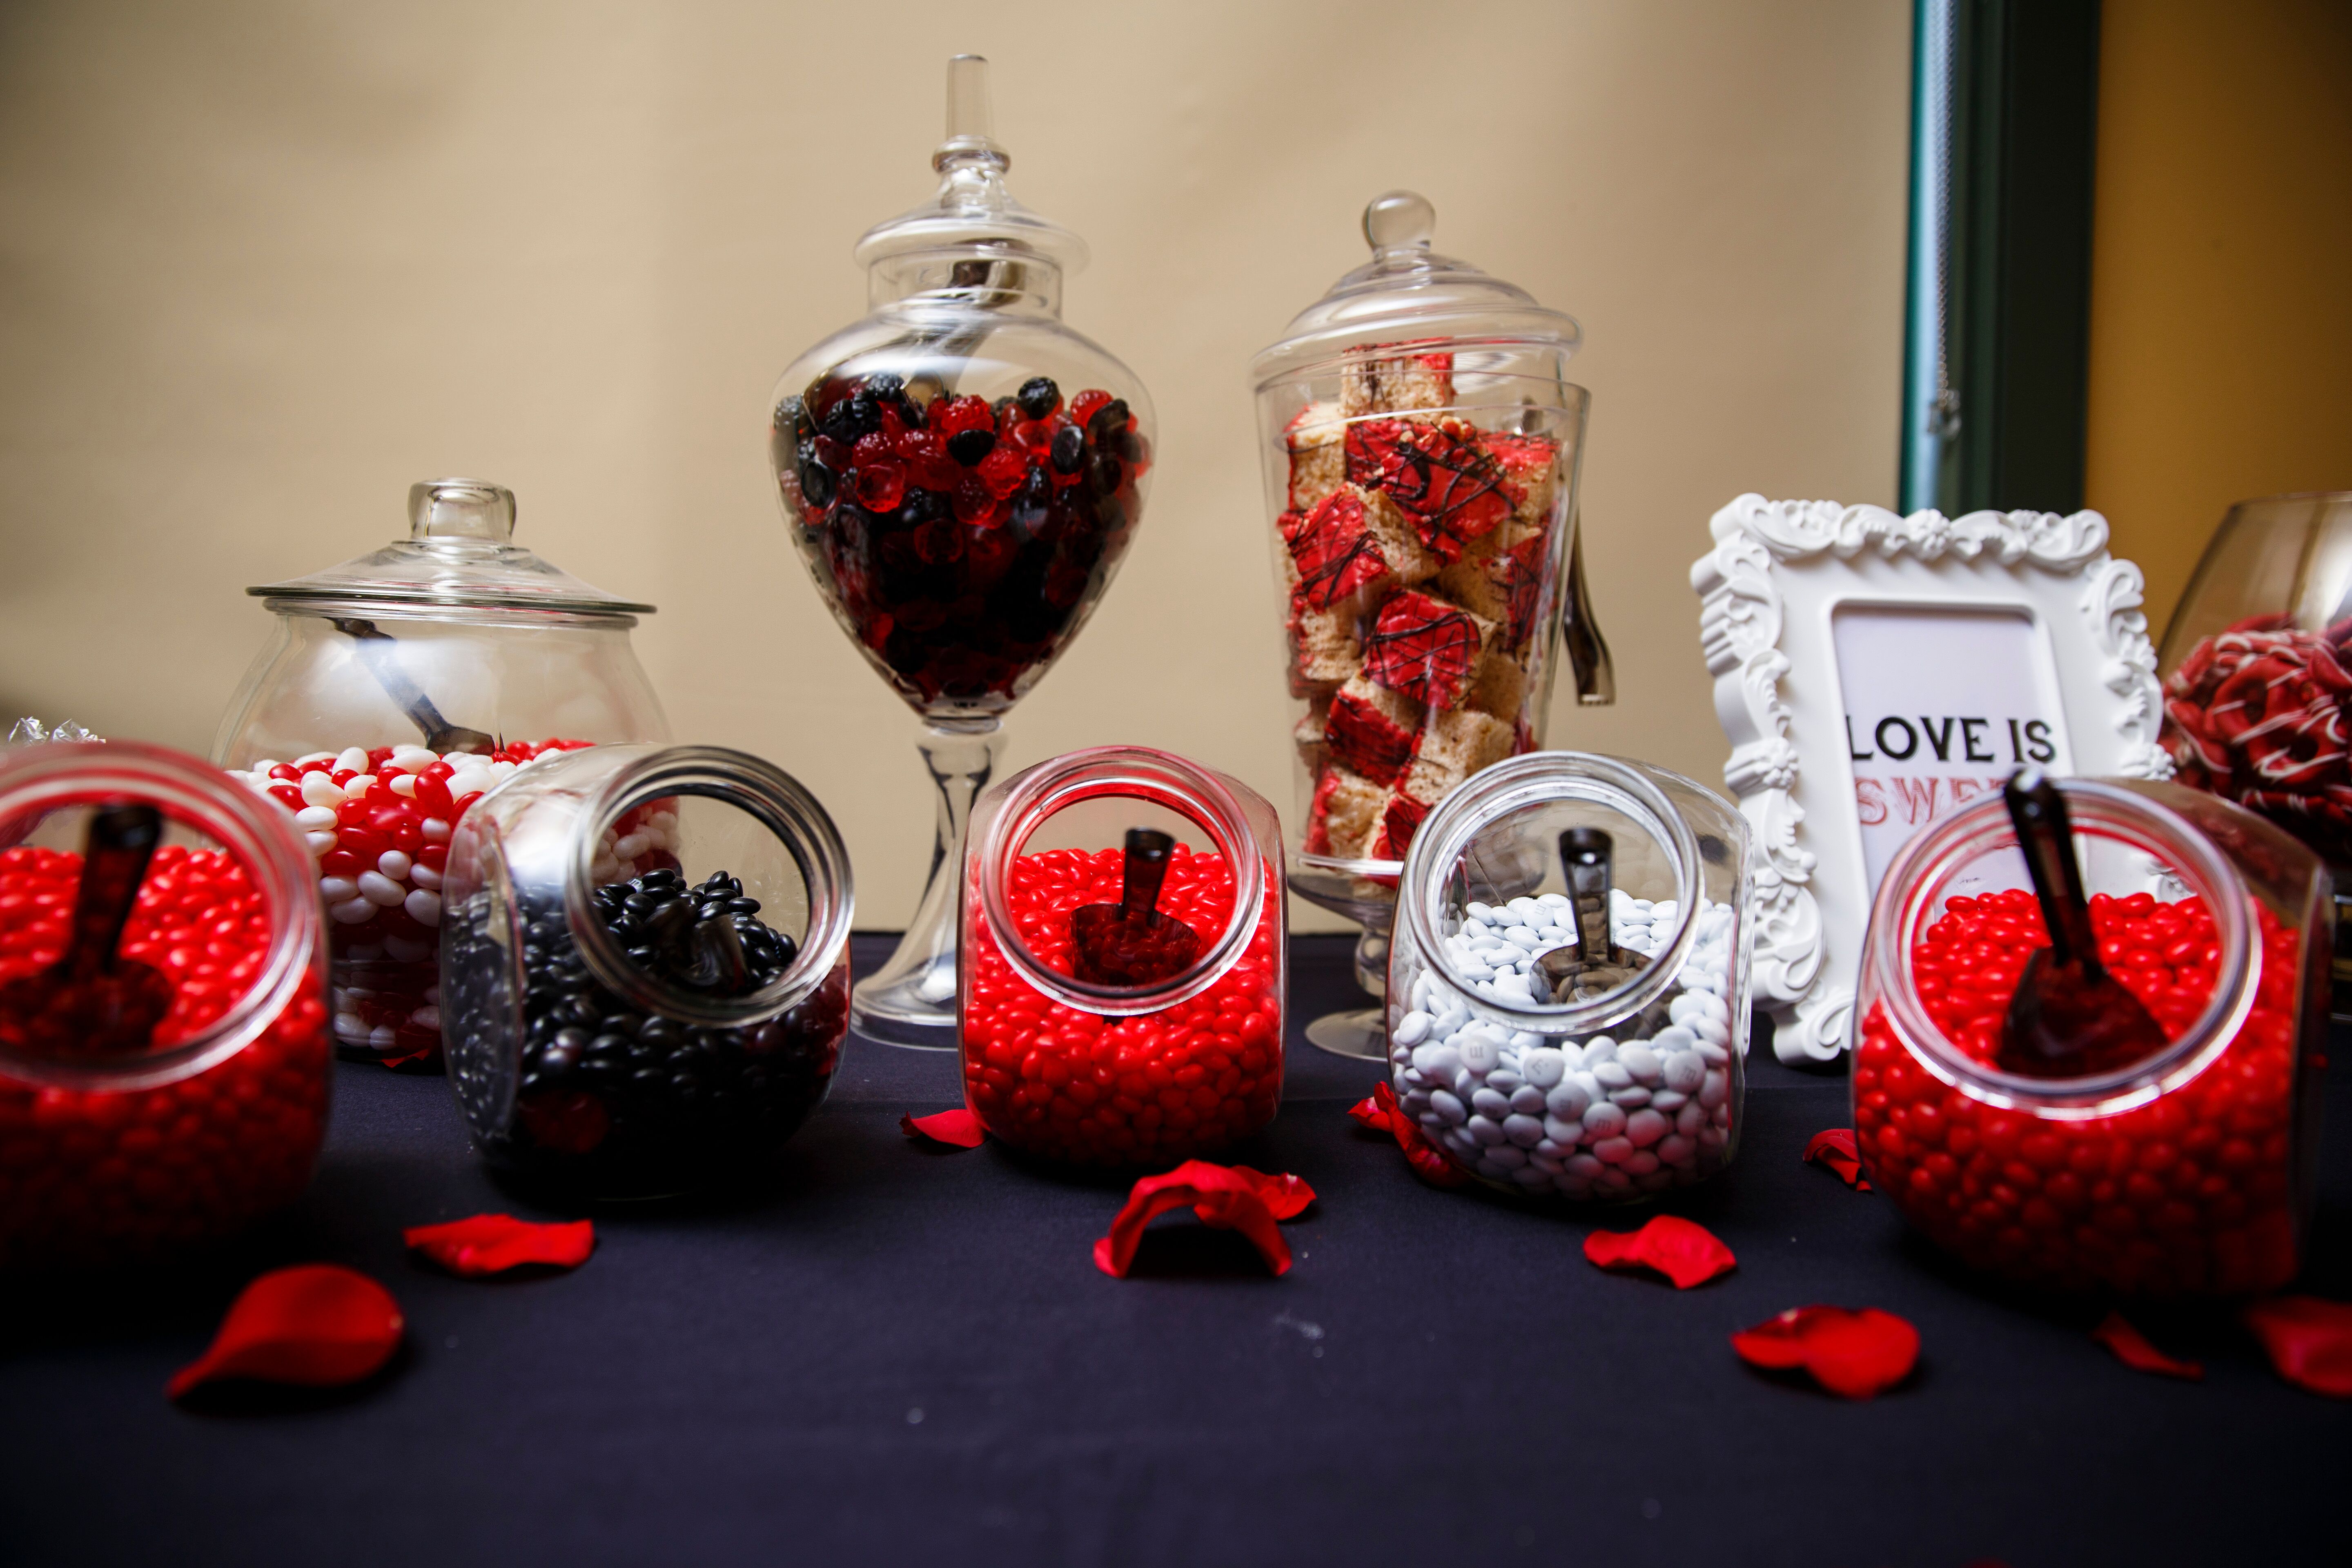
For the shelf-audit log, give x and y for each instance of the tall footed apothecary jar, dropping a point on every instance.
(396, 689)
(962, 473)
(1568, 982)
(1422, 444)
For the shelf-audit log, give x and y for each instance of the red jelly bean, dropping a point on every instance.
(103, 1174)
(2110, 1200)
(1150, 1089)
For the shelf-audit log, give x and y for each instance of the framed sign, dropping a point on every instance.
(1873, 670)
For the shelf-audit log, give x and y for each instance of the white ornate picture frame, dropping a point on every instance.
(1770, 595)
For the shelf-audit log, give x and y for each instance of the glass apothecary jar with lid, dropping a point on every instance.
(164, 1047)
(394, 690)
(1123, 969)
(1569, 979)
(644, 960)
(963, 474)
(1421, 445)
(2186, 1171)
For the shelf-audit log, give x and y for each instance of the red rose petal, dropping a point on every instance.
(494, 1242)
(1835, 1148)
(1685, 1252)
(1382, 1111)
(316, 1325)
(2133, 1349)
(1227, 1197)
(2309, 1341)
(1853, 1354)
(959, 1127)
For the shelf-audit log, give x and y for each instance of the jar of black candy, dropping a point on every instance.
(644, 961)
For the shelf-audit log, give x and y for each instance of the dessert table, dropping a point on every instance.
(907, 1350)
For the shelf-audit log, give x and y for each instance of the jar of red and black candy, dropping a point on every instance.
(1123, 971)
(164, 1047)
(962, 473)
(628, 1018)
(2185, 1171)
(394, 691)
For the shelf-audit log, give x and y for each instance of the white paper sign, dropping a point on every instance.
(1941, 705)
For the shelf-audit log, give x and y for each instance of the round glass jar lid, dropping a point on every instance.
(460, 553)
(1407, 293)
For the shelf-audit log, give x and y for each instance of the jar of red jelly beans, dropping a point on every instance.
(631, 1014)
(394, 691)
(2186, 1172)
(122, 1147)
(1122, 967)
(1568, 986)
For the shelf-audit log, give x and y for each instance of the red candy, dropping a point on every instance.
(2258, 716)
(2191, 1192)
(1150, 1089)
(92, 1175)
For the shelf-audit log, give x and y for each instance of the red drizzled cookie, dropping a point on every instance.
(1335, 549)
(1398, 822)
(1425, 647)
(1371, 731)
(1517, 575)
(1437, 475)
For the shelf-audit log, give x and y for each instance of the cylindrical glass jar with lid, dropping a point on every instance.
(2257, 670)
(396, 689)
(2188, 1171)
(963, 474)
(1568, 978)
(1421, 445)
(631, 1013)
(1123, 968)
(164, 1047)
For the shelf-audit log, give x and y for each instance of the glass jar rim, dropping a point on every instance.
(258, 834)
(1035, 795)
(1285, 371)
(1922, 871)
(767, 794)
(1536, 778)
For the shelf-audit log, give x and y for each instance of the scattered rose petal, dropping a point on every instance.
(1683, 1251)
(1835, 1148)
(2309, 1341)
(1228, 1197)
(959, 1128)
(494, 1242)
(1853, 1354)
(1381, 1112)
(2136, 1351)
(317, 1325)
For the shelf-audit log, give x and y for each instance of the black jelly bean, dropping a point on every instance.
(1038, 396)
(969, 447)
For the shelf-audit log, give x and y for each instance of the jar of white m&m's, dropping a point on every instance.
(2182, 1166)
(397, 689)
(1568, 983)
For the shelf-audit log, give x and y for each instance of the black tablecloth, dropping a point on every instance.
(907, 1352)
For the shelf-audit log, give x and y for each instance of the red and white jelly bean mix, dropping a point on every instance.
(378, 821)
(1153, 1088)
(93, 1174)
(2191, 1192)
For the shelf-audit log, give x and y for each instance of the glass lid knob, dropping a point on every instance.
(1400, 220)
(460, 508)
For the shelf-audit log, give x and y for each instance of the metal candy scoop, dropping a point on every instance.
(93, 1001)
(1130, 942)
(1594, 963)
(376, 651)
(2070, 1018)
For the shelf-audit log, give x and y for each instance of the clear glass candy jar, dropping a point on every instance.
(2257, 667)
(1568, 983)
(646, 967)
(394, 690)
(963, 474)
(120, 1143)
(1422, 444)
(2186, 1172)
(1092, 1030)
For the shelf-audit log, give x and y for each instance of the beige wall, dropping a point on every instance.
(2222, 274)
(265, 264)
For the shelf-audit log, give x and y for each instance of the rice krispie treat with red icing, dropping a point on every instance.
(1345, 815)
(1317, 460)
(1425, 648)
(1462, 741)
(1371, 729)
(1395, 378)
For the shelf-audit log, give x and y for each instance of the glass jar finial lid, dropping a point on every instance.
(973, 212)
(460, 553)
(1407, 291)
